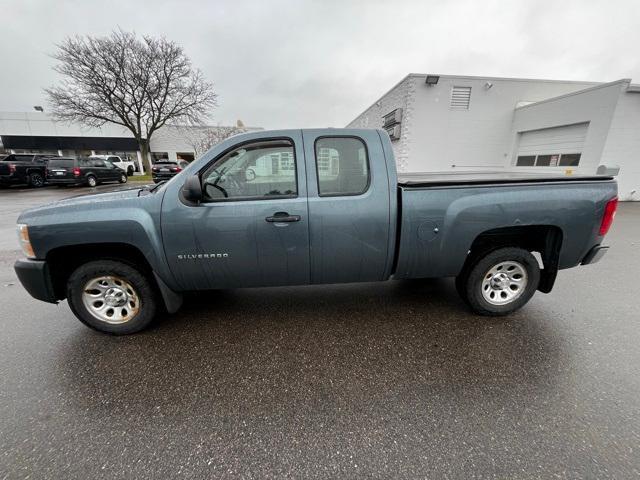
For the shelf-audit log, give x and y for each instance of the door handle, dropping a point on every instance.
(283, 217)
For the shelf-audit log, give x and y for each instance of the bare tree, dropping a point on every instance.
(202, 139)
(140, 84)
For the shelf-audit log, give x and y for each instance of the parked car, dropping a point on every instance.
(328, 207)
(166, 169)
(23, 169)
(128, 166)
(83, 171)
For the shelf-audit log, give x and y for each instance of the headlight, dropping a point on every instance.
(25, 243)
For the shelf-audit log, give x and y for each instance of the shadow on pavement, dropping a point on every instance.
(320, 350)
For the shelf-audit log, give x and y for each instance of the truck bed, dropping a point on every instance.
(421, 180)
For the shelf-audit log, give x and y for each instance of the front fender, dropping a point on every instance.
(130, 220)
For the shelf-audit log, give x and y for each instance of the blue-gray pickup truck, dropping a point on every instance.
(299, 207)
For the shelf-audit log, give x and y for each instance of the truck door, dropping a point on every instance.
(252, 227)
(349, 206)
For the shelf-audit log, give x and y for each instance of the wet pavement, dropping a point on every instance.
(389, 380)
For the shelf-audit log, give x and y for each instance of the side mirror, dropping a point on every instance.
(192, 189)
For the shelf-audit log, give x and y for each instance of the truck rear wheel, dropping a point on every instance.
(36, 179)
(500, 282)
(111, 297)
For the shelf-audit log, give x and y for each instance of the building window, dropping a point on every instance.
(157, 156)
(342, 166)
(570, 159)
(186, 156)
(549, 160)
(460, 98)
(526, 161)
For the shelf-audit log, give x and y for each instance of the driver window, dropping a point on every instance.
(263, 169)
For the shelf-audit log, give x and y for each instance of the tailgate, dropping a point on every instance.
(61, 169)
(59, 172)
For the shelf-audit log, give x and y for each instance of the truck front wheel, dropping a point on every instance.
(500, 282)
(112, 297)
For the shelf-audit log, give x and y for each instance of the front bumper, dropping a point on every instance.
(35, 278)
(595, 254)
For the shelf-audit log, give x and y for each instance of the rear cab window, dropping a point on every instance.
(61, 163)
(342, 166)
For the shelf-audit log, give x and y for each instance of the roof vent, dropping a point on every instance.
(460, 98)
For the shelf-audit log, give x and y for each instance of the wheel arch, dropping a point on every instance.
(544, 239)
(63, 260)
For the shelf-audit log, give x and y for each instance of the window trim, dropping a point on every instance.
(315, 161)
(213, 161)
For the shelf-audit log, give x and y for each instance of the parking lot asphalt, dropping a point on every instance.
(389, 380)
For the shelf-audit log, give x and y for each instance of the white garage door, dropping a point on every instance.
(550, 144)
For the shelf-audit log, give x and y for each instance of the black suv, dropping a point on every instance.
(23, 168)
(166, 169)
(83, 171)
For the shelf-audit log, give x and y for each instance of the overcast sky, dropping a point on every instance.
(279, 64)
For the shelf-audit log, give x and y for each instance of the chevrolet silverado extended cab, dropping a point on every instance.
(298, 207)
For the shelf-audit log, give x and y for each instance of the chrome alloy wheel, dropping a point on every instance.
(110, 299)
(504, 282)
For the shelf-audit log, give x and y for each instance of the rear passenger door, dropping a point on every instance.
(349, 207)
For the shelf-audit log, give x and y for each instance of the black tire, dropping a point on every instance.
(123, 178)
(129, 171)
(470, 282)
(145, 293)
(92, 181)
(36, 180)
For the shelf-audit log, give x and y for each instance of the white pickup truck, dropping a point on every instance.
(126, 165)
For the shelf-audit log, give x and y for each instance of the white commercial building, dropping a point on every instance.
(444, 122)
(37, 132)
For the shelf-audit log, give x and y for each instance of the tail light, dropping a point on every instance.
(609, 214)
(12, 168)
(155, 169)
(176, 169)
(76, 172)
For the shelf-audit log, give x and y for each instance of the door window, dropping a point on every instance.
(342, 166)
(264, 169)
